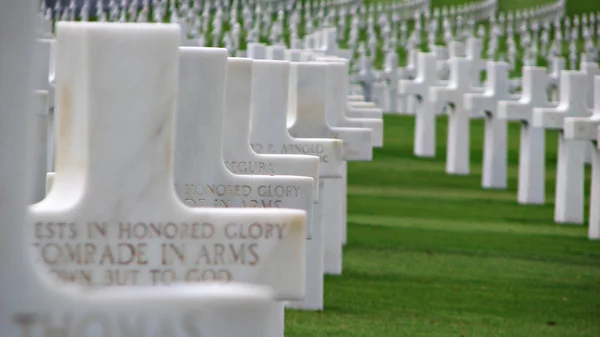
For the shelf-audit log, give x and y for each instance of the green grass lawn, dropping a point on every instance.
(430, 254)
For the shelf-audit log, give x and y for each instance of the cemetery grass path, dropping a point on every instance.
(435, 255)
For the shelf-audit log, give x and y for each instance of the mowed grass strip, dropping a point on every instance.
(431, 254)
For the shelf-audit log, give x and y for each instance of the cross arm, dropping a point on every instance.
(549, 118)
(515, 111)
(581, 127)
(479, 102)
(412, 87)
(356, 98)
(445, 94)
(362, 104)
(374, 113)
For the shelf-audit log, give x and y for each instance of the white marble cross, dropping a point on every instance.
(114, 175)
(257, 51)
(112, 207)
(556, 67)
(586, 129)
(294, 55)
(43, 69)
(42, 115)
(460, 83)
(337, 105)
(390, 76)
(307, 117)
(366, 76)
(532, 151)
(592, 71)
(329, 44)
(201, 177)
(569, 203)
(276, 52)
(39, 138)
(241, 159)
(495, 150)
(473, 53)
(408, 104)
(455, 49)
(338, 80)
(363, 110)
(424, 145)
(268, 134)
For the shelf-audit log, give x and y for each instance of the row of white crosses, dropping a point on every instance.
(125, 126)
(332, 124)
(586, 130)
(531, 182)
(505, 25)
(499, 105)
(193, 177)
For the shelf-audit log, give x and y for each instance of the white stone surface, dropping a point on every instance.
(113, 187)
(568, 206)
(586, 128)
(257, 51)
(293, 55)
(424, 141)
(532, 151)
(329, 44)
(592, 71)
(390, 77)
(268, 134)
(201, 177)
(237, 152)
(268, 123)
(473, 50)
(307, 117)
(556, 67)
(459, 84)
(39, 120)
(337, 87)
(241, 159)
(275, 52)
(30, 298)
(495, 150)
(594, 226)
(43, 72)
(356, 98)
